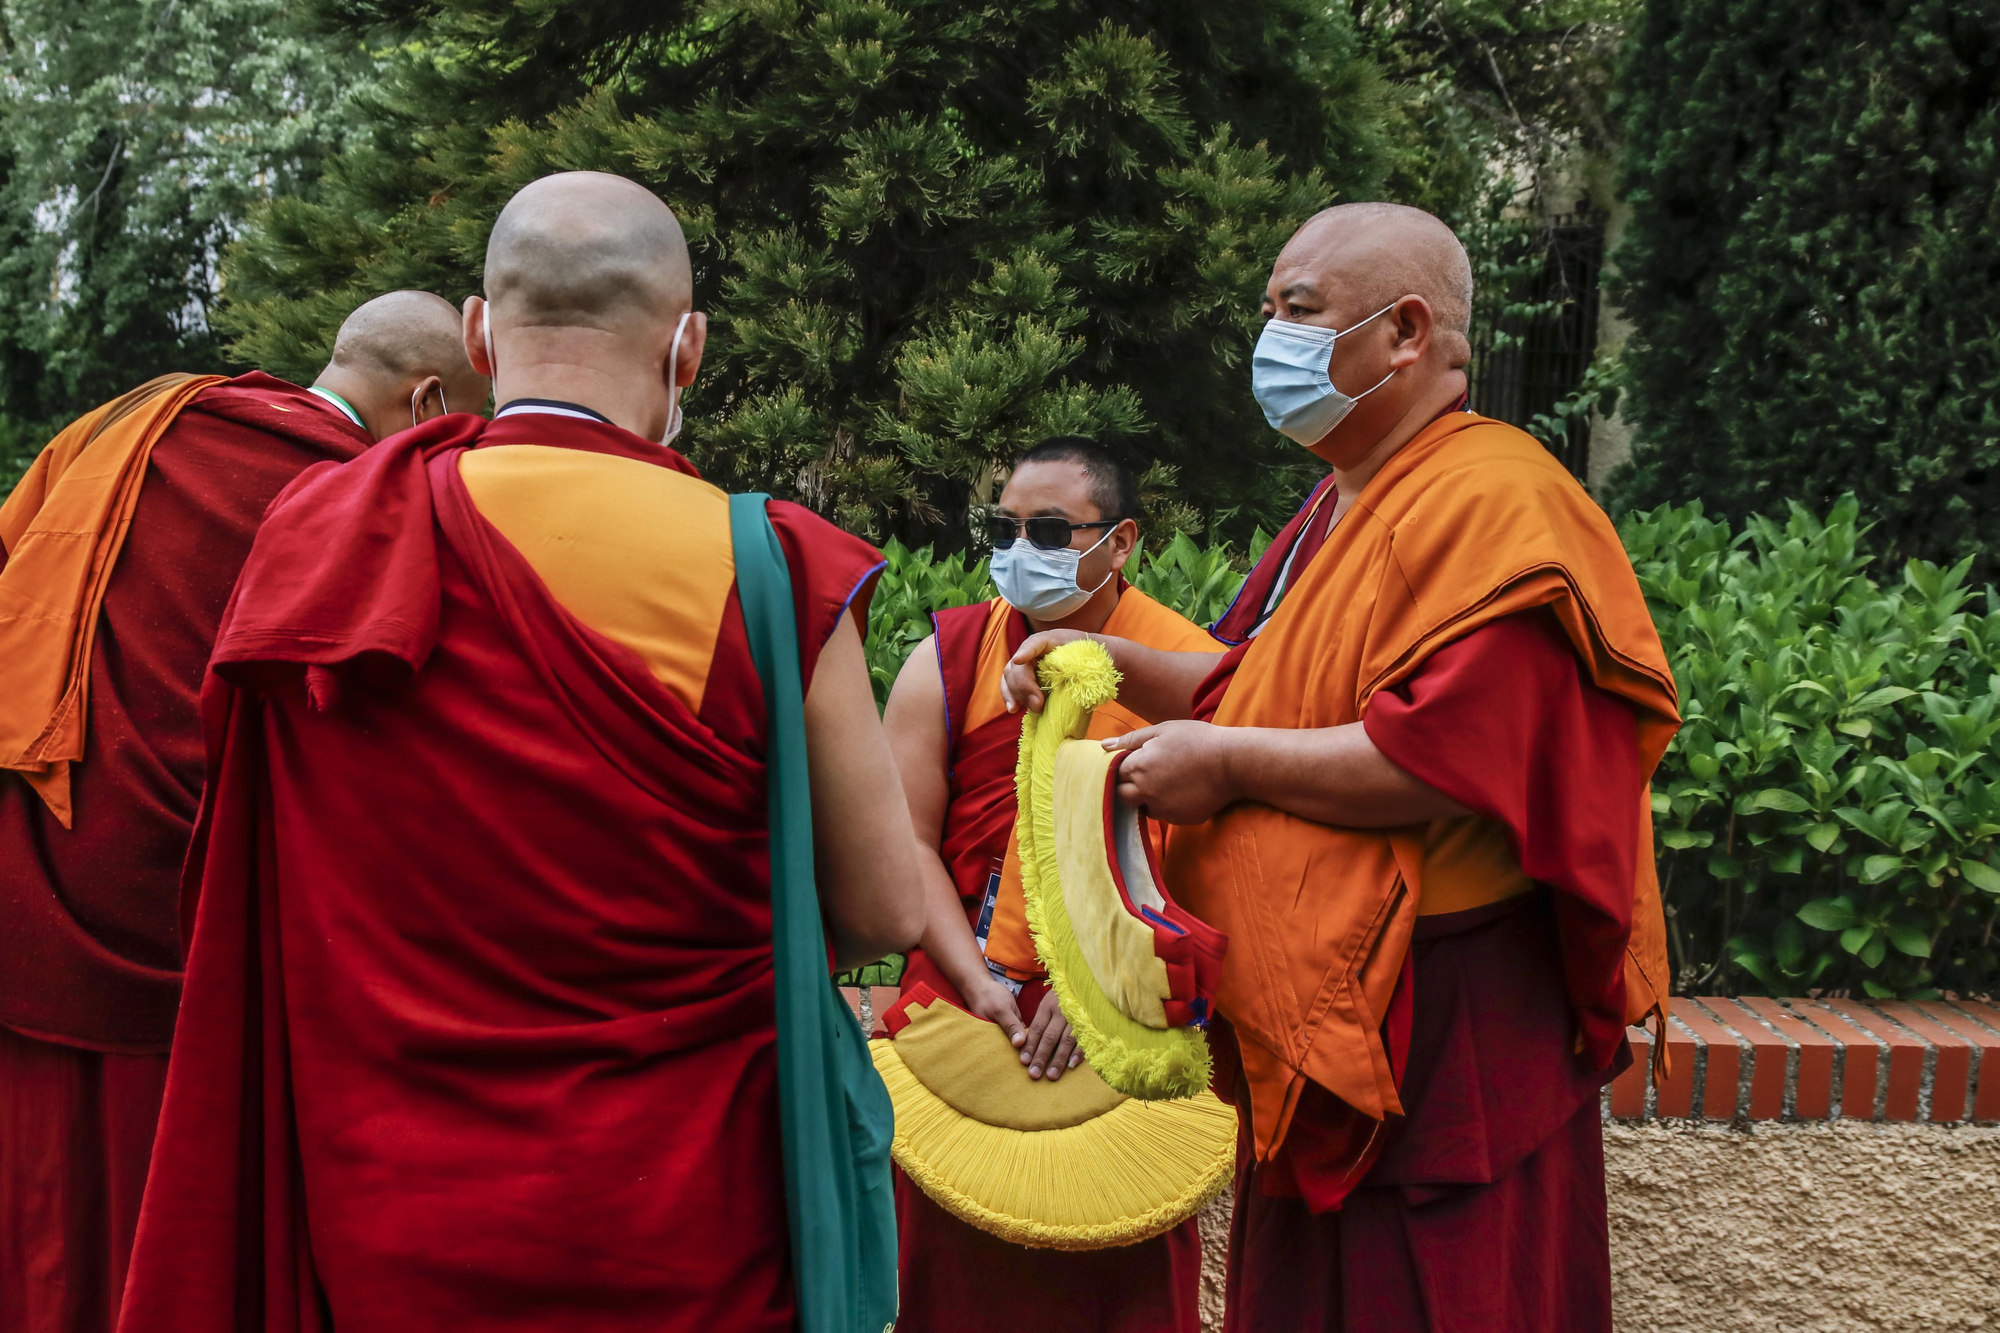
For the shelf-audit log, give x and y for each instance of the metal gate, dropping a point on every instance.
(1543, 356)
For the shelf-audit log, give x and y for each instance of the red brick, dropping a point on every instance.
(882, 999)
(1768, 1056)
(1861, 1066)
(1675, 1099)
(1986, 1100)
(1725, 1062)
(1906, 1058)
(1812, 1094)
(1985, 1013)
(879, 1000)
(1951, 1067)
(1628, 1090)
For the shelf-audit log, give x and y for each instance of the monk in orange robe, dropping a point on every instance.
(1415, 796)
(1063, 531)
(120, 546)
(479, 1024)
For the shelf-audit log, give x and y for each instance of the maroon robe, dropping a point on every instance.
(89, 941)
(1485, 1206)
(478, 1028)
(954, 1277)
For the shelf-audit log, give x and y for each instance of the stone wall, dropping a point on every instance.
(1804, 1227)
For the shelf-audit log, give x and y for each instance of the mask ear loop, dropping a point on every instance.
(417, 401)
(1342, 334)
(1092, 547)
(674, 419)
(486, 327)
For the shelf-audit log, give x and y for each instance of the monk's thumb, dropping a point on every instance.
(1131, 740)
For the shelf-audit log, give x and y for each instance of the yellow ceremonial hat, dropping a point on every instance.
(1071, 1164)
(1133, 970)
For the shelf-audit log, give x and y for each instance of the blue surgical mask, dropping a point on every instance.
(1288, 373)
(1042, 584)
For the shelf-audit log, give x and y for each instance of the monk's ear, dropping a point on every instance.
(694, 339)
(1124, 543)
(1414, 324)
(477, 312)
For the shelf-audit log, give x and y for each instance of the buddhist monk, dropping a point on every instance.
(1063, 532)
(121, 544)
(1415, 796)
(478, 1028)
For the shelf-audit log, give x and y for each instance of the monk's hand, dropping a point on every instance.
(1051, 1046)
(996, 1004)
(1179, 772)
(1019, 686)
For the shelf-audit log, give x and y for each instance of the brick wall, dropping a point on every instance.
(1815, 1060)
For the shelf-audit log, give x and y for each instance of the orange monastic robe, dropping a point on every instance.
(1469, 523)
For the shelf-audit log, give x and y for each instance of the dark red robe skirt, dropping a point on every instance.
(1485, 1210)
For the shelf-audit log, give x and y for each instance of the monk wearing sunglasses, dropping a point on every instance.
(1065, 529)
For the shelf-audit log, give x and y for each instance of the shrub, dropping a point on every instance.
(1827, 817)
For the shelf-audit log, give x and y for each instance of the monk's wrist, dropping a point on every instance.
(1235, 760)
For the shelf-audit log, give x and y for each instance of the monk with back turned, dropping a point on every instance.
(479, 1029)
(1414, 794)
(117, 552)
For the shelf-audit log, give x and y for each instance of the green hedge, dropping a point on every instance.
(1827, 817)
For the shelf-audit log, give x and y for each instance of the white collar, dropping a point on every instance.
(339, 403)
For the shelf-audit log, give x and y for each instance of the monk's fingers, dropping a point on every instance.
(1044, 1035)
(1065, 1056)
(1032, 1041)
(1047, 1061)
(1020, 689)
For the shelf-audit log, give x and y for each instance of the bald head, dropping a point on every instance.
(400, 358)
(1371, 254)
(587, 250)
(403, 333)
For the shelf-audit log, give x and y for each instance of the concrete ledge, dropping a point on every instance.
(1806, 1227)
(1757, 1059)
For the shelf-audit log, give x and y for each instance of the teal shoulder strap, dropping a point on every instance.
(835, 1114)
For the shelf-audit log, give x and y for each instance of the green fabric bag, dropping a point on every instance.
(835, 1114)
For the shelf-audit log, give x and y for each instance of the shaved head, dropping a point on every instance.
(400, 359)
(585, 249)
(401, 335)
(1375, 253)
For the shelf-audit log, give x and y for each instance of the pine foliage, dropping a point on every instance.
(928, 233)
(1812, 262)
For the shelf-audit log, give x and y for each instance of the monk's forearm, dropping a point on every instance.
(947, 936)
(1330, 775)
(1158, 685)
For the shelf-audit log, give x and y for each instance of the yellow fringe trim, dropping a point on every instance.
(1147, 1063)
(1138, 1170)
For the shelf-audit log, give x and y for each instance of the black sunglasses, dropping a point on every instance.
(1049, 533)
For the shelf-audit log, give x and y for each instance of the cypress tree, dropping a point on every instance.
(1811, 265)
(927, 233)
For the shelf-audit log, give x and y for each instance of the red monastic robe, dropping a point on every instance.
(478, 1028)
(89, 943)
(1480, 1205)
(955, 1277)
